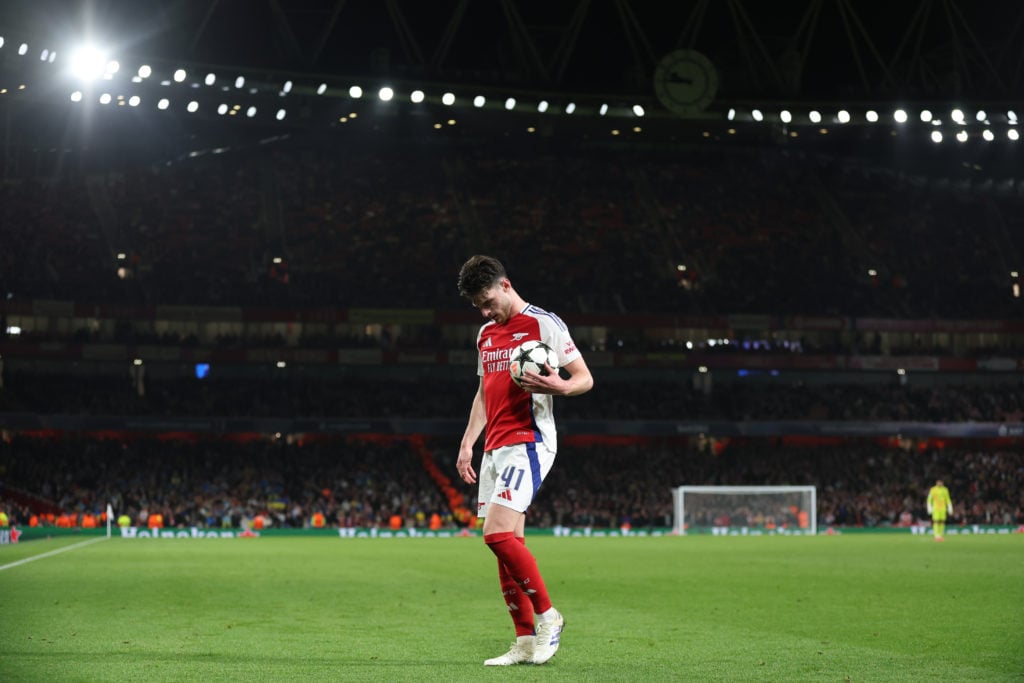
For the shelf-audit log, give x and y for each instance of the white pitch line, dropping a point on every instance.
(52, 552)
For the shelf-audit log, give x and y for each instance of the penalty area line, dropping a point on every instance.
(51, 553)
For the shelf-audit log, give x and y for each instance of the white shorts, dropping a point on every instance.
(511, 475)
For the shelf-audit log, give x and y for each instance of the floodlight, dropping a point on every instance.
(44, 55)
(1013, 134)
(417, 96)
(105, 98)
(542, 106)
(287, 87)
(180, 75)
(23, 50)
(87, 63)
(163, 104)
(281, 113)
(250, 112)
(222, 109)
(871, 115)
(981, 115)
(510, 103)
(899, 116)
(926, 116)
(936, 136)
(962, 136)
(145, 71)
(731, 114)
(355, 92)
(988, 135)
(814, 116)
(192, 107)
(957, 115)
(240, 82)
(386, 94)
(448, 99)
(638, 110)
(603, 110)
(321, 89)
(1011, 116)
(843, 116)
(570, 108)
(134, 101)
(113, 66)
(210, 79)
(76, 96)
(785, 116)
(757, 115)
(479, 101)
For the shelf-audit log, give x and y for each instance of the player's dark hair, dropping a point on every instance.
(479, 273)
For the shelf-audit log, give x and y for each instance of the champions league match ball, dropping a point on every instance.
(530, 355)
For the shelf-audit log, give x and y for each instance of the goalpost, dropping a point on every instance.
(746, 510)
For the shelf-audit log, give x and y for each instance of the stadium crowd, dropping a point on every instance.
(370, 482)
(309, 223)
(415, 395)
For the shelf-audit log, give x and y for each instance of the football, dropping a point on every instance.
(530, 356)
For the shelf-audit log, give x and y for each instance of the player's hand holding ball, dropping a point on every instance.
(531, 362)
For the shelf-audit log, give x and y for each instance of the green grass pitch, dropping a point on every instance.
(828, 608)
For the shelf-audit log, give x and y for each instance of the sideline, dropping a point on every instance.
(26, 560)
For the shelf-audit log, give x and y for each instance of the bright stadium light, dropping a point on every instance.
(961, 136)
(843, 116)
(479, 101)
(386, 94)
(814, 116)
(192, 107)
(936, 136)
(980, 116)
(899, 116)
(958, 116)
(988, 135)
(871, 115)
(510, 103)
(1011, 116)
(145, 71)
(287, 87)
(926, 116)
(210, 79)
(76, 96)
(570, 108)
(542, 106)
(105, 98)
(448, 99)
(603, 110)
(731, 114)
(281, 113)
(321, 89)
(222, 109)
(180, 75)
(417, 96)
(23, 49)
(134, 101)
(163, 104)
(250, 112)
(240, 82)
(1013, 134)
(355, 92)
(757, 115)
(87, 63)
(785, 116)
(638, 110)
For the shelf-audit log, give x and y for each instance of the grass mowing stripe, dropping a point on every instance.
(863, 608)
(57, 551)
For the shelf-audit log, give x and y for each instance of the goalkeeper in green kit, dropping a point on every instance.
(939, 504)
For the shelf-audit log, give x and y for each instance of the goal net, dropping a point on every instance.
(746, 510)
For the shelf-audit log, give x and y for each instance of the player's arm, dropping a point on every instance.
(477, 422)
(579, 380)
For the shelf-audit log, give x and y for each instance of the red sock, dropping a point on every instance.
(521, 566)
(519, 606)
